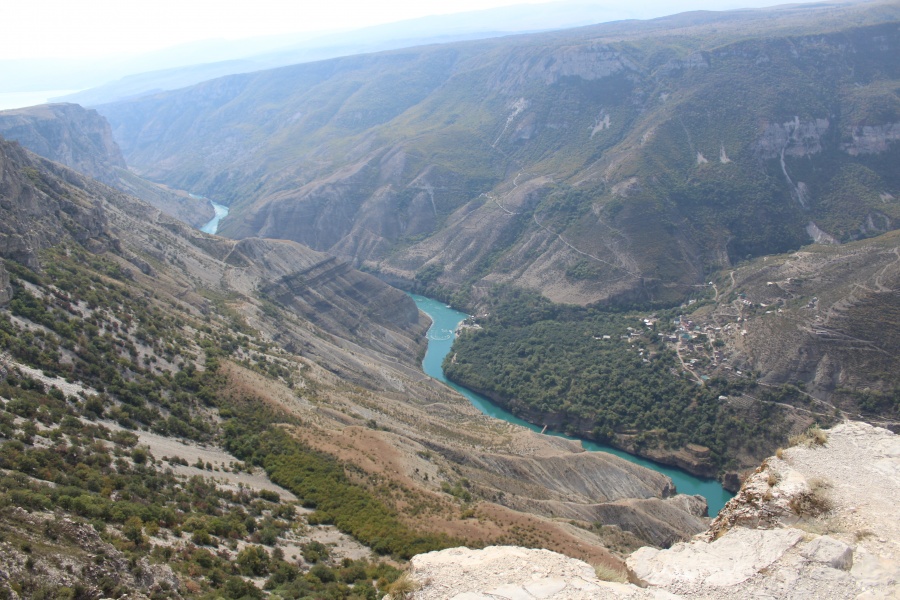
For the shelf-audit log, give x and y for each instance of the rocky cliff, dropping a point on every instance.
(817, 521)
(82, 140)
(38, 212)
(68, 134)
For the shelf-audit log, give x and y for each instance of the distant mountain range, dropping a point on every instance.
(107, 80)
(621, 162)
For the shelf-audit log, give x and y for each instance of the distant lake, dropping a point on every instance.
(9, 100)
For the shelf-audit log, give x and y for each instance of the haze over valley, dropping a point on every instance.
(675, 238)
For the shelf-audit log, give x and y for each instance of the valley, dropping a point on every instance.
(194, 337)
(675, 243)
(441, 336)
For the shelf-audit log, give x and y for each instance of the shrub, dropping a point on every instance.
(403, 588)
(814, 501)
(814, 436)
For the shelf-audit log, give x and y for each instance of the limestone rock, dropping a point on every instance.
(755, 548)
(728, 561)
(514, 573)
(834, 553)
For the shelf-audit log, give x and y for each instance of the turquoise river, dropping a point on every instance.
(220, 213)
(440, 338)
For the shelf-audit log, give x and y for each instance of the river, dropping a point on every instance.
(221, 213)
(440, 339)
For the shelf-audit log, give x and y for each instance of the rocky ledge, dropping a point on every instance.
(819, 520)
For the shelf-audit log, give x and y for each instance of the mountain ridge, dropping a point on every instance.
(82, 140)
(598, 152)
(153, 327)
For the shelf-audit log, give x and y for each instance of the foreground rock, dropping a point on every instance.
(818, 522)
(514, 573)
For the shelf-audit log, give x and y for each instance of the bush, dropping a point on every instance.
(253, 561)
(813, 502)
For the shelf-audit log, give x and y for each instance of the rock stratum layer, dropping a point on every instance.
(821, 521)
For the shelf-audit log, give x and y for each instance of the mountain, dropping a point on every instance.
(761, 352)
(193, 63)
(81, 139)
(622, 162)
(821, 324)
(291, 381)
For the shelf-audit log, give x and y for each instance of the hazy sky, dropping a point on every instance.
(93, 28)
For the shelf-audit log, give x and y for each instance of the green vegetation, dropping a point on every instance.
(321, 482)
(551, 364)
(145, 364)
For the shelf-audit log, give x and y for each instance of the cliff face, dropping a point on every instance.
(5, 289)
(68, 134)
(37, 210)
(820, 521)
(82, 140)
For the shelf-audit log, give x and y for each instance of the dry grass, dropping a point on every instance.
(404, 587)
(607, 573)
(814, 502)
(814, 436)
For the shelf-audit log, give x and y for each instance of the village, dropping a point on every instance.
(707, 335)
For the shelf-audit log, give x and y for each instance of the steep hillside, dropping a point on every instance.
(623, 161)
(128, 338)
(820, 325)
(758, 353)
(82, 140)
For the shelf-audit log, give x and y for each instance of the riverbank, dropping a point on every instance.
(440, 340)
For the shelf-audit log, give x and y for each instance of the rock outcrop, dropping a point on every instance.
(38, 209)
(68, 134)
(74, 566)
(820, 521)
